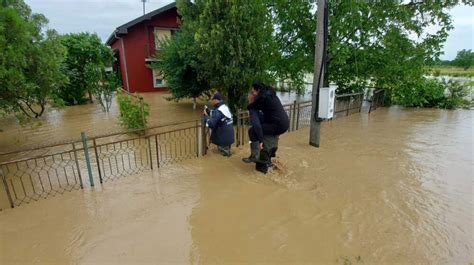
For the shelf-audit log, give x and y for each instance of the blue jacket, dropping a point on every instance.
(221, 123)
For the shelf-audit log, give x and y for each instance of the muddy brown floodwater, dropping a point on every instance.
(67, 123)
(392, 187)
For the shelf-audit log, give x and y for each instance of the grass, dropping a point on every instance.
(451, 71)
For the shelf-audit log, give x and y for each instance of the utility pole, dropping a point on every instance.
(319, 64)
(143, 1)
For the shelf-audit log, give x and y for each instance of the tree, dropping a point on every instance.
(30, 62)
(83, 50)
(370, 42)
(233, 39)
(14, 43)
(102, 84)
(464, 59)
(179, 64)
(293, 40)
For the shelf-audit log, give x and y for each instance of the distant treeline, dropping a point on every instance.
(464, 59)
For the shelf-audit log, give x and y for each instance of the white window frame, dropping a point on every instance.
(157, 75)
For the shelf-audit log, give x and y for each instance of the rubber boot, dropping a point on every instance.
(225, 150)
(254, 153)
(270, 147)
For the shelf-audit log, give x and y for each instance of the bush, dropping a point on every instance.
(131, 114)
(419, 93)
(456, 95)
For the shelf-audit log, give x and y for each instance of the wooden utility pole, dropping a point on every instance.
(318, 78)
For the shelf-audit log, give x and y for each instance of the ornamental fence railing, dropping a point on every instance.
(36, 173)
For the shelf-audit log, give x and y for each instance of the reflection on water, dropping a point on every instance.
(392, 187)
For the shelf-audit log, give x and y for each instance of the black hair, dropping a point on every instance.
(259, 85)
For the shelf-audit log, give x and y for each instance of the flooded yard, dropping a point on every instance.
(392, 187)
(67, 123)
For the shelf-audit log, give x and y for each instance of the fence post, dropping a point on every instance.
(242, 127)
(157, 152)
(142, 110)
(97, 160)
(149, 152)
(237, 135)
(298, 116)
(348, 106)
(203, 138)
(77, 165)
(86, 156)
(197, 139)
(7, 190)
(293, 118)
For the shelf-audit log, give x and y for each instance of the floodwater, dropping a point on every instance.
(66, 124)
(392, 187)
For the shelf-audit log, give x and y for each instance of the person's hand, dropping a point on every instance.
(260, 146)
(205, 112)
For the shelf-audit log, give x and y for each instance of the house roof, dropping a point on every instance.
(124, 28)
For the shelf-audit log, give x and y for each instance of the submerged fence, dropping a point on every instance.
(47, 171)
(36, 173)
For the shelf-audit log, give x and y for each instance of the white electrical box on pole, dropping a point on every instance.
(319, 64)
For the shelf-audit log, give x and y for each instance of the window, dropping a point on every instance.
(160, 35)
(158, 80)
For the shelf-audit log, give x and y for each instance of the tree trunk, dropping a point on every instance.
(194, 103)
(90, 96)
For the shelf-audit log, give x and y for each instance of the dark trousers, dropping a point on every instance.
(268, 129)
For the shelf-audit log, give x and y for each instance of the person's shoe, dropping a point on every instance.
(250, 159)
(225, 150)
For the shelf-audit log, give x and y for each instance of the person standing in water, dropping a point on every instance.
(219, 120)
(255, 133)
(273, 120)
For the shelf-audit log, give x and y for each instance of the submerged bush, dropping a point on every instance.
(419, 93)
(456, 95)
(132, 114)
(431, 93)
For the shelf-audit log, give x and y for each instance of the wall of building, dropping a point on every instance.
(117, 47)
(139, 44)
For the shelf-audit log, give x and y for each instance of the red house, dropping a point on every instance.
(134, 44)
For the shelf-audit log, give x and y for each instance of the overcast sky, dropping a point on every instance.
(103, 16)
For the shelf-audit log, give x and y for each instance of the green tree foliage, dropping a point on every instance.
(179, 64)
(85, 51)
(464, 59)
(293, 40)
(133, 111)
(383, 43)
(31, 61)
(223, 45)
(456, 95)
(233, 38)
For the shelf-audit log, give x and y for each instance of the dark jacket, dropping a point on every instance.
(221, 123)
(273, 113)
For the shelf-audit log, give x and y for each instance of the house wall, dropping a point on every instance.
(117, 47)
(139, 44)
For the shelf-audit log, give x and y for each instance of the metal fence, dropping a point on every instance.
(299, 114)
(41, 172)
(378, 99)
(46, 171)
